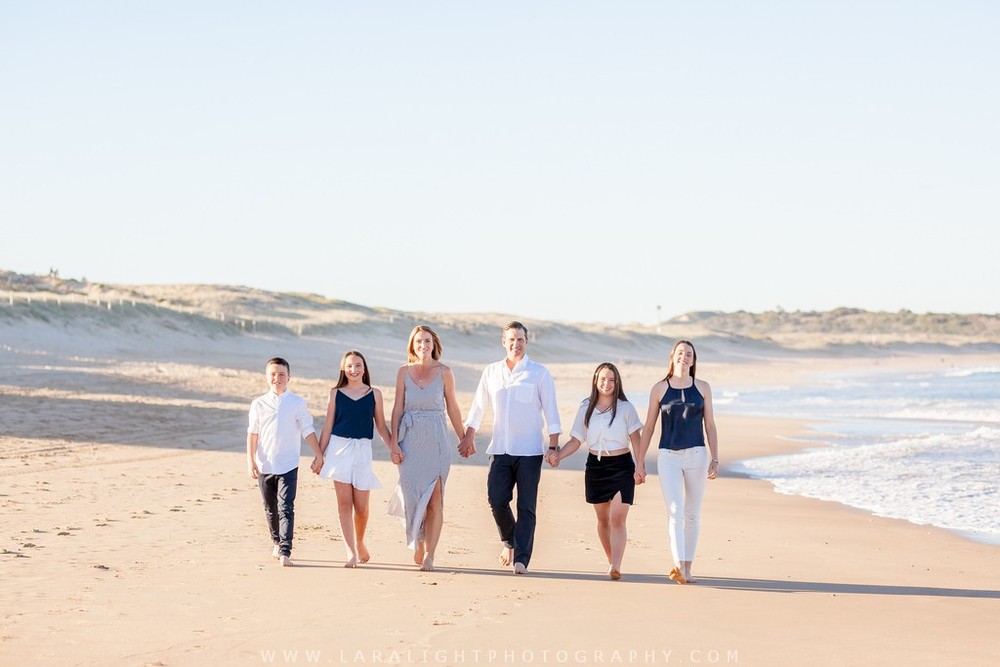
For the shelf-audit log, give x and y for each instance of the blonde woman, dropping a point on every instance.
(425, 403)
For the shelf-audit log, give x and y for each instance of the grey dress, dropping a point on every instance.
(423, 437)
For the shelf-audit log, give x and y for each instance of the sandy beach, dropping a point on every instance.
(132, 535)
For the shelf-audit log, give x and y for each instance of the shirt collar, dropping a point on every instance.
(518, 366)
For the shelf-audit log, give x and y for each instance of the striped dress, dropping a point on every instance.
(423, 437)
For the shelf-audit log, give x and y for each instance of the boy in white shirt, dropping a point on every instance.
(279, 421)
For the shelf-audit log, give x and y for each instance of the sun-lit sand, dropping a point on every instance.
(132, 535)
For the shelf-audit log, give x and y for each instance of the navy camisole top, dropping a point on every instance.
(682, 413)
(354, 419)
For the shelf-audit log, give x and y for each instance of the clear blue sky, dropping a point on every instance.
(562, 160)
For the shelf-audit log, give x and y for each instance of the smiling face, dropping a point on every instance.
(683, 356)
(424, 345)
(354, 368)
(515, 342)
(277, 378)
(606, 383)
(683, 359)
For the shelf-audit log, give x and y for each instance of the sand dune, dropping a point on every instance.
(132, 535)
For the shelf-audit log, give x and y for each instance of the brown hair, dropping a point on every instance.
(619, 393)
(694, 361)
(342, 380)
(278, 361)
(514, 324)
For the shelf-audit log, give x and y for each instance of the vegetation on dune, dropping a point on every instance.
(235, 309)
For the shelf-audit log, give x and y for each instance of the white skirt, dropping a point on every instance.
(349, 460)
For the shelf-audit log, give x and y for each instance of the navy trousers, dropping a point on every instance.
(278, 492)
(507, 473)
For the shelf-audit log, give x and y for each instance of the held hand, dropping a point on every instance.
(553, 458)
(317, 464)
(396, 455)
(467, 447)
(640, 474)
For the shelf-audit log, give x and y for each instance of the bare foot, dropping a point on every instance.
(351, 563)
(506, 556)
(677, 575)
(419, 553)
(363, 555)
(428, 564)
(614, 573)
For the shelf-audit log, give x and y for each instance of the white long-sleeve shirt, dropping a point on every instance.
(281, 422)
(520, 399)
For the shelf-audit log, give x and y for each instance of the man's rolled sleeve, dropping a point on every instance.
(550, 406)
(478, 407)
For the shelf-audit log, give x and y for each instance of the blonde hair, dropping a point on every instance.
(411, 354)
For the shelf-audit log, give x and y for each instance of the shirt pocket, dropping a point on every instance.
(524, 393)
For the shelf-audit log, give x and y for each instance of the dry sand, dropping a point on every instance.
(132, 535)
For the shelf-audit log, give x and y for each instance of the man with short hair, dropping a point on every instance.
(521, 393)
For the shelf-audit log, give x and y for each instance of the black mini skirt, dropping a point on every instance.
(603, 478)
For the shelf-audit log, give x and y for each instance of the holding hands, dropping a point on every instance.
(552, 457)
(317, 464)
(396, 454)
(640, 471)
(467, 445)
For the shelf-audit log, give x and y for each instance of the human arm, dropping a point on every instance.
(558, 454)
(395, 453)
(252, 439)
(307, 431)
(648, 429)
(711, 433)
(317, 462)
(634, 438)
(324, 436)
(380, 425)
(451, 403)
(578, 434)
(550, 407)
(467, 445)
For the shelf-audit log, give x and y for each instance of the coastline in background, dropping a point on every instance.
(924, 447)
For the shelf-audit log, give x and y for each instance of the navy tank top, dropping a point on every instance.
(354, 419)
(682, 413)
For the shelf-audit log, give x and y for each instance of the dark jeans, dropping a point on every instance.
(278, 492)
(507, 472)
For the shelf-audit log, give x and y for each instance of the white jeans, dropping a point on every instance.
(683, 476)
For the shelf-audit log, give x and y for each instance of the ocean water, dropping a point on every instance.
(921, 447)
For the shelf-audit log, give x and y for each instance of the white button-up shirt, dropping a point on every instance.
(520, 398)
(281, 421)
